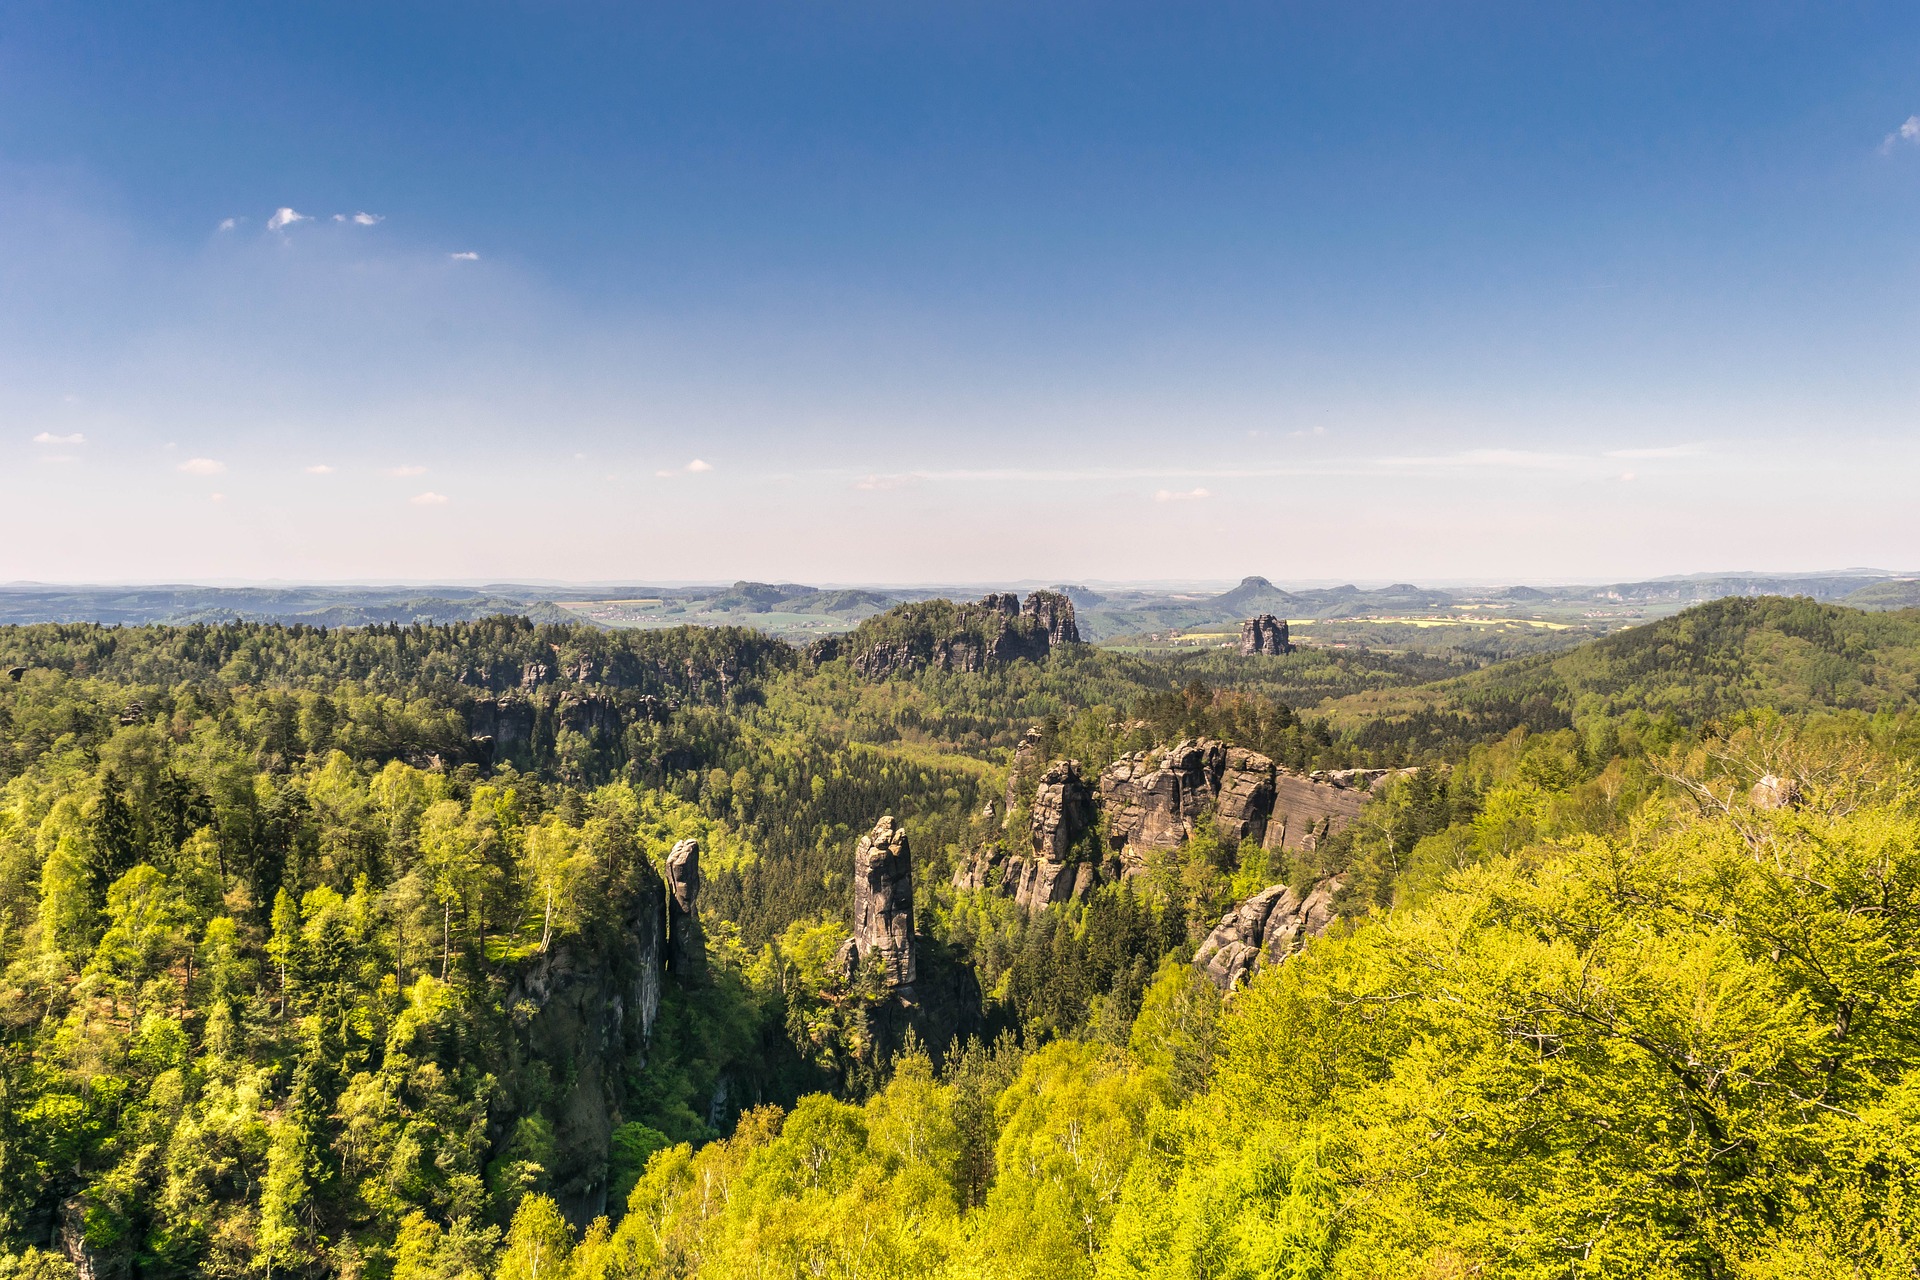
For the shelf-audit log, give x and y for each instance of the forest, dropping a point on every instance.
(357, 952)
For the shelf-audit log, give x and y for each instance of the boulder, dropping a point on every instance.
(1264, 634)
(686, 945)
(1264, 930)
(883, 900)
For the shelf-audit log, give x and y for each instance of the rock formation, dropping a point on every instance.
(883, 901)
(1245, 800)
(971, 637)
(1054, 612)
(1306, 810)
(1152, 798)
(1264, 930)
(686, 946)
(16, 674)
(1264, 634)
(1062, 814)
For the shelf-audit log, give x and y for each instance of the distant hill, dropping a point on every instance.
(311, 606)
(1715, 659)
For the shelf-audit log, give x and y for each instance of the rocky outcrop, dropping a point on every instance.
(1245, 800)
(686, 945)
(1306, 810)
(1264, 634)
(1054, 612)
(1264, 930)
(990, 632)
(1062, 815)
(1152, 798)
(589, 713)
(883, 901)
(507, 720)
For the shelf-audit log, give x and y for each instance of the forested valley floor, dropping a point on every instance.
(358, 953)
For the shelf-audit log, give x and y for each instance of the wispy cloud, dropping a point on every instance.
(880, 483)
(1186, 495)
(216, 497)
(695, 467)
(319, 469)
(360, 219)
(409, 470)
(285, 217)
(1909, 131)
(1492, 459)
(1659, 451)
(428, 499)
(228, 224)
(203, 467)
(468, 256)
(47, 437)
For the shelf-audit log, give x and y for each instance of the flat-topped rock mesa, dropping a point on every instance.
(686, 945)
(993, 631)
(1264, 930)
(1264, 634)
(883, 903)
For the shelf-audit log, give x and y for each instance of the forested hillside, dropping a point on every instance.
(495, 949)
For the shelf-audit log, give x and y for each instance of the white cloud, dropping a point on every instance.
(409, 470)
(47, 437)
(360, 219)
(203, 467)
(1909, 131)
(1185, 495)
(1662, 451)
(285, 217)
(1516, 459)
(1627, 477)
(216, 497)
(428, 499)
(879, 483)
(469, 256)
(228, 224)
(319, 469)
(697, 465)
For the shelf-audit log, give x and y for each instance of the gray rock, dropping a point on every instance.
(686, 944)
(1774, 792)
(1264, 634)
(1264, 930)
(883, 900)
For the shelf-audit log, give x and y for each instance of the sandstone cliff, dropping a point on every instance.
(686, 946)
(1264, 930)
(945, 636)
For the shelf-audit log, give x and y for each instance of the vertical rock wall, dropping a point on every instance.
(686, 947)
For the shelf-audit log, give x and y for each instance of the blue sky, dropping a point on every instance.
(886, 292)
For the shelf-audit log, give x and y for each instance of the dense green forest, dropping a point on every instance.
(333, 952)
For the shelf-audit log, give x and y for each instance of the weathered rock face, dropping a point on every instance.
(686, 946)
(883, 900)
(1054, 612)
(1264, 634)
(589, 713)
(1245, 801)
(1063, 813)
(1152, 798)
(507, 720)
(1306, 810)
(1264, 930)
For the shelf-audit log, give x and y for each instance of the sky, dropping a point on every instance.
(884, 292)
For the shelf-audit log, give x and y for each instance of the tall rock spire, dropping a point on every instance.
(686, 948)
(883, 900)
